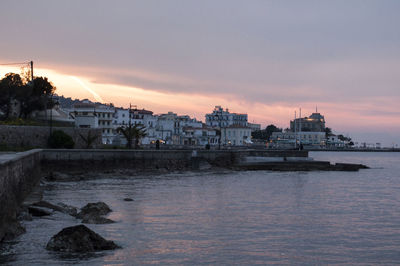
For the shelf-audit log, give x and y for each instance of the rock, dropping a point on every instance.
(38, 211)
(128, 199)
(96, 219)
(68, 209)
(98, 208)
(349, 167)
(79, 239)
(48, 205)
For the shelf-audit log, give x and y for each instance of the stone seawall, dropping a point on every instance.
(19, 173)
(94, 160)
(37, 136)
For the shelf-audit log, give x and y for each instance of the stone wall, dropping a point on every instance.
(92, 160)
(37, 136)
(19, 173)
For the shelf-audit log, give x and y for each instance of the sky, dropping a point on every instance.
(264, 58)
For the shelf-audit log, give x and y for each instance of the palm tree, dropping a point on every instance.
(135, 132)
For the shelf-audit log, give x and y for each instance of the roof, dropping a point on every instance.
(141, 111)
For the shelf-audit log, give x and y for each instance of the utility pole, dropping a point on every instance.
(31, 63)
(295, 131)
(300, 129)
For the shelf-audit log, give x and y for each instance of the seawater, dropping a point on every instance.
(233, 218)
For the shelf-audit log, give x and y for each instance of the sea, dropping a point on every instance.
(232, 217)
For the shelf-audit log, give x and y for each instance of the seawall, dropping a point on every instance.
(93, 160)
(19, 173)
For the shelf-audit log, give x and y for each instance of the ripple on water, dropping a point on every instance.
(233, 218)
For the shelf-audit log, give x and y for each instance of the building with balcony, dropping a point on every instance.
(223, 118)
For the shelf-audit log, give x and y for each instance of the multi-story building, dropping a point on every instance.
(305, 131)
(170, 127)
(236, 135)
(196, 136)
(233, 128)
(306, 138)
(223, 118)
(314, 123)
(91, 115)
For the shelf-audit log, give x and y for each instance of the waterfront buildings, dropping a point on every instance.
(221, 127)
(305, 138)
(314, 123)
(304, 131)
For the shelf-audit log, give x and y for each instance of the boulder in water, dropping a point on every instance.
(128, 199)
(71, 210)
(39, 211)
(95, 219)
(98, 208)
(79, 239)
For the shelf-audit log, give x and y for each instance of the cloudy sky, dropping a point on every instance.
(264, 58)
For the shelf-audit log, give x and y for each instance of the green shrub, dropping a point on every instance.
(60, 140)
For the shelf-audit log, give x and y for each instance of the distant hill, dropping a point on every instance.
(68, 103)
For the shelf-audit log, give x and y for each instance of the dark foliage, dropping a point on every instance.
(265, 134)
(60, 140)
(22, 98)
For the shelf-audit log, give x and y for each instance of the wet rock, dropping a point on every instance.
(48, 205)
(92, 209)
(96, 219)
(79, 239)
(68, 209)
(38, 211)
(348, 167)
(128, 199)
(60, 207)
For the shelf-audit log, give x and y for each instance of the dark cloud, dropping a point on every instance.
(258, 51)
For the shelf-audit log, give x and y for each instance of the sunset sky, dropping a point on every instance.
(264, 58)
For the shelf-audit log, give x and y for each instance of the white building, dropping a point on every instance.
(306, 138)
(170, 128)
(236, 135)
(223, 118)
(196, 136)
(90, 115)
(254, 127)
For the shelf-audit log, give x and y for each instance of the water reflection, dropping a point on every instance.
(234, 218)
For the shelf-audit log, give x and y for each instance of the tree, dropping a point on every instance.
(61, 140)
(328, 132)
(89, 139)
(266, 133)
(9, 86)
(270, 129)
(30, 96)
(39, 96)
(130, 133)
